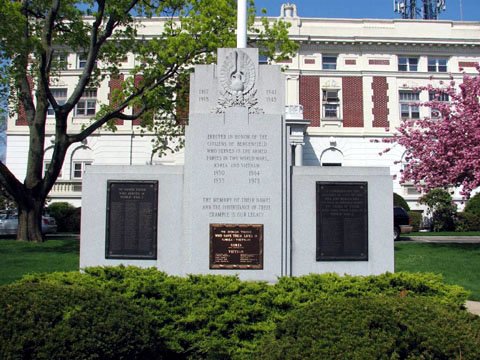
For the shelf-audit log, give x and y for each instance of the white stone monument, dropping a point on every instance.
(238, 206)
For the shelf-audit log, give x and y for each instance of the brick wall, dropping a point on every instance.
(310, 98)
(136, 81)
(22, 115)
(380, 101)
(352, 99)
(115, 83)
(465, 64)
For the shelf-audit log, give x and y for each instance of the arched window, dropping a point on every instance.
(81, 158)
(331, 157)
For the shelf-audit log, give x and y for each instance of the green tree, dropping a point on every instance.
(441, 208)
(35, 33)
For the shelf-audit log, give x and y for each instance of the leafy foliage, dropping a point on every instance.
(66, 215)
(473, 205)
(415, 220)
(444, 152)
(441, 208)
(400, 201)
(47, 321)
(467, 221)
(37, 34)
(374, 328)
(221, 317)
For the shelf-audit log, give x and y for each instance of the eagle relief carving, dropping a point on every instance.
(237, 80)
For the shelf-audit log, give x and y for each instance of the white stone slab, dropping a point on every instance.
(169, 215)
(380, 220)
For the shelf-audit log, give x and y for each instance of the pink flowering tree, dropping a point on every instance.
(444, 150)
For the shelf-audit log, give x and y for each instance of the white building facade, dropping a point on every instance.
(351, 79)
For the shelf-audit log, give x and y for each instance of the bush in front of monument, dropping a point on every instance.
(374, 328)
(53, 321)
(193, 317)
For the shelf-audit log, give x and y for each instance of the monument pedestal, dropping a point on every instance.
(235, 168)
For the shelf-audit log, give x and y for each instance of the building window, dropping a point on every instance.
(60, 61)
(78, 168)
(263, 59)
(331, 104)
(60, 96)
(46, 164)
(329, 62)
(435, 113)
(409, 108)
(81, 61)
(87, 103)
(407, 64)
(437, 65)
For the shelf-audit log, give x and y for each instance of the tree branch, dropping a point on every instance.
(13, 186)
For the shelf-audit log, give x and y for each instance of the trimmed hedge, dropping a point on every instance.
(374, 328)
(220, 317)
(45, 321)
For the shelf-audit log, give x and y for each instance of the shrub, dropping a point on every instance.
(442, 209)
(66, 215)
(465, 221)
(46, 321)
(374, 328)
(473, 205)
(400, 201)
(415, 220)
(221, 317)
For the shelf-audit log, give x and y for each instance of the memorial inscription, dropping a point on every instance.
(131, 231)
(236, 246)
(342, 221)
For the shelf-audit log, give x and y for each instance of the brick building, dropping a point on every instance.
(352, 79)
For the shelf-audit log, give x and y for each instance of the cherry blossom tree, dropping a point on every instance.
(444, 150)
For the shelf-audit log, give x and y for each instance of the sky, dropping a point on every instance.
(368, 9)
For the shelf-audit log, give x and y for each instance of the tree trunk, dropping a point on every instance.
(30, 222)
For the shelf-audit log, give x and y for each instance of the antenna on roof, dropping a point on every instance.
(426, 9)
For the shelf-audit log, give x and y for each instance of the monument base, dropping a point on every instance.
(342, 220)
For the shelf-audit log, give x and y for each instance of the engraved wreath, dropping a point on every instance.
(237, 78)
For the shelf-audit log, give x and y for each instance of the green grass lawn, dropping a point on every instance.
(20, 258)
(458, 263)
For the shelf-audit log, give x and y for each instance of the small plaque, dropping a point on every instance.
(342, 221)
(131, 231)
(236, 246)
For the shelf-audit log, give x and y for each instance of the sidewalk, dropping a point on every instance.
(443, 239)
(473, 307)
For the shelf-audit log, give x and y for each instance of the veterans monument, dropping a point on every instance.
(238, 205)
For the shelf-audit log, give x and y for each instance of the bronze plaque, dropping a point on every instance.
(342, 221)
(236, 246)
(131, 231)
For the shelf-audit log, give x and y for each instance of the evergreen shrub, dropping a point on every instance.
(415, 220)
(400, 201)
(46, 321)
(374, 328)
(221, 317)
(467, 221)
(473, 205)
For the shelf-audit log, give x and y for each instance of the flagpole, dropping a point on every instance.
(241, 24)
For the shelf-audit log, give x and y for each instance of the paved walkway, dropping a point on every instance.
(473, 307)
(443, 239)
